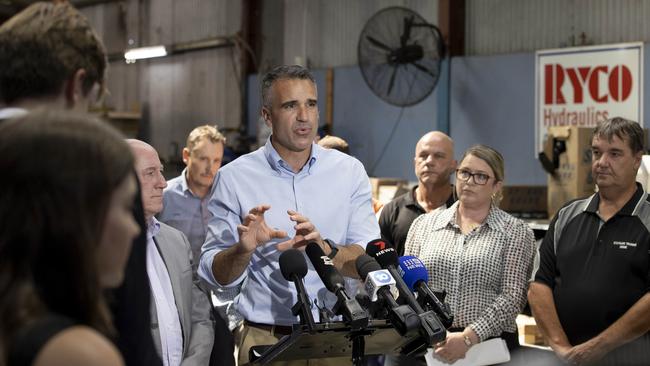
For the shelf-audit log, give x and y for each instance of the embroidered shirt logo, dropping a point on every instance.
(623, 244)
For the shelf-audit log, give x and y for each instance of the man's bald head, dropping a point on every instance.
(138, 146)
(438, 138)
(434, 159)
(149, 170)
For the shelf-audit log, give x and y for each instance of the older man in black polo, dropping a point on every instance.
(590, 294)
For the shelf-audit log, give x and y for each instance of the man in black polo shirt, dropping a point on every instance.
(590, 294)
(434, 163)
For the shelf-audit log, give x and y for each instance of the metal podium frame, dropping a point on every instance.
(337, 340)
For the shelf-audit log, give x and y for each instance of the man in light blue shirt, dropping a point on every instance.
(185, 202)
(286, 194)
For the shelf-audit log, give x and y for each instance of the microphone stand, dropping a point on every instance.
(358, 348)
(357, 318)
(301, 308)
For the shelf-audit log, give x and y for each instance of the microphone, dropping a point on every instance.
(377, 279)
(353, 314)
(294, 268)
(379, 284)
(416, 276)
(431, 329)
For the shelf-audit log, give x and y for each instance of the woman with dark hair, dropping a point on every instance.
(478, 253)
(66, 230)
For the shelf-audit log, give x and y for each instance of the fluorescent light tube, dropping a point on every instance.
(145, 52)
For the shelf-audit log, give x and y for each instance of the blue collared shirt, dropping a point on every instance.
(332, 190)
(186, 212)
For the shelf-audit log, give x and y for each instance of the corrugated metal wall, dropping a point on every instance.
(178, 92)
(324, 33)
(510, 26)
(181, 91)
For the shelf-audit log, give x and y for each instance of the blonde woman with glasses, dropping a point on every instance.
(480, 255)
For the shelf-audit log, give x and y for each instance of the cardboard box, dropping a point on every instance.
(529, 333)
(384, 189)
(528, 202)
(532, 335)
(573, 178)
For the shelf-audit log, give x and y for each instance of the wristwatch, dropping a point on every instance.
(332, 247)
(468, 341)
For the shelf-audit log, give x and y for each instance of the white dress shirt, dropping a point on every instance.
(169, 324)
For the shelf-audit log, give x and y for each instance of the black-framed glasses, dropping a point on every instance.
(479, 178)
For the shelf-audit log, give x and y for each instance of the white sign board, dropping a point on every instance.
(583, 86)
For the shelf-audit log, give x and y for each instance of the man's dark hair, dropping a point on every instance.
(42, 47)
(282, 72)
(623, 129)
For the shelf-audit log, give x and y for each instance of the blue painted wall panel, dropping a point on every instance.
(493, 103)
(365, 122)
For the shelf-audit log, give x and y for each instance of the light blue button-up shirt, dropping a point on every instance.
(332, 190)
(186, 212)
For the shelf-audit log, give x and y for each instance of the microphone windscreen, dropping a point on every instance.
(375, 246)
(293, 262)
(324, 266)
(412, 270)
(382, 252)
(366, 264)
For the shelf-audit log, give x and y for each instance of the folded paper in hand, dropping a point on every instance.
(490, 352)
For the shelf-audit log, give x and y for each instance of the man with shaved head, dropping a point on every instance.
(434, 163)
(180, 320)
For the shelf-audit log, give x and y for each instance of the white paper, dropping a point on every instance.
(490, 352)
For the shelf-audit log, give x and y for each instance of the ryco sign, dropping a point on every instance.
(587, 85)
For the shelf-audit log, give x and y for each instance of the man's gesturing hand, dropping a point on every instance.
(254, 231)
(305, 233)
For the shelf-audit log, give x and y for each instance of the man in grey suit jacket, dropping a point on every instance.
(181, 325)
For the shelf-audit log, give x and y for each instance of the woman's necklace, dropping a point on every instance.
(465, 226)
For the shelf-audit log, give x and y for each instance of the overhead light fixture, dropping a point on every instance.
(144, 52)
(133, 54)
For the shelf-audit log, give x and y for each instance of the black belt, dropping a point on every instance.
(273, 329)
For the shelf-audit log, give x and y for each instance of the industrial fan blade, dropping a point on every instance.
(424, 69)
(378, 44)
(392, 79)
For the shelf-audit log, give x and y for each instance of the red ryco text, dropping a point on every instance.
(586, 80)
